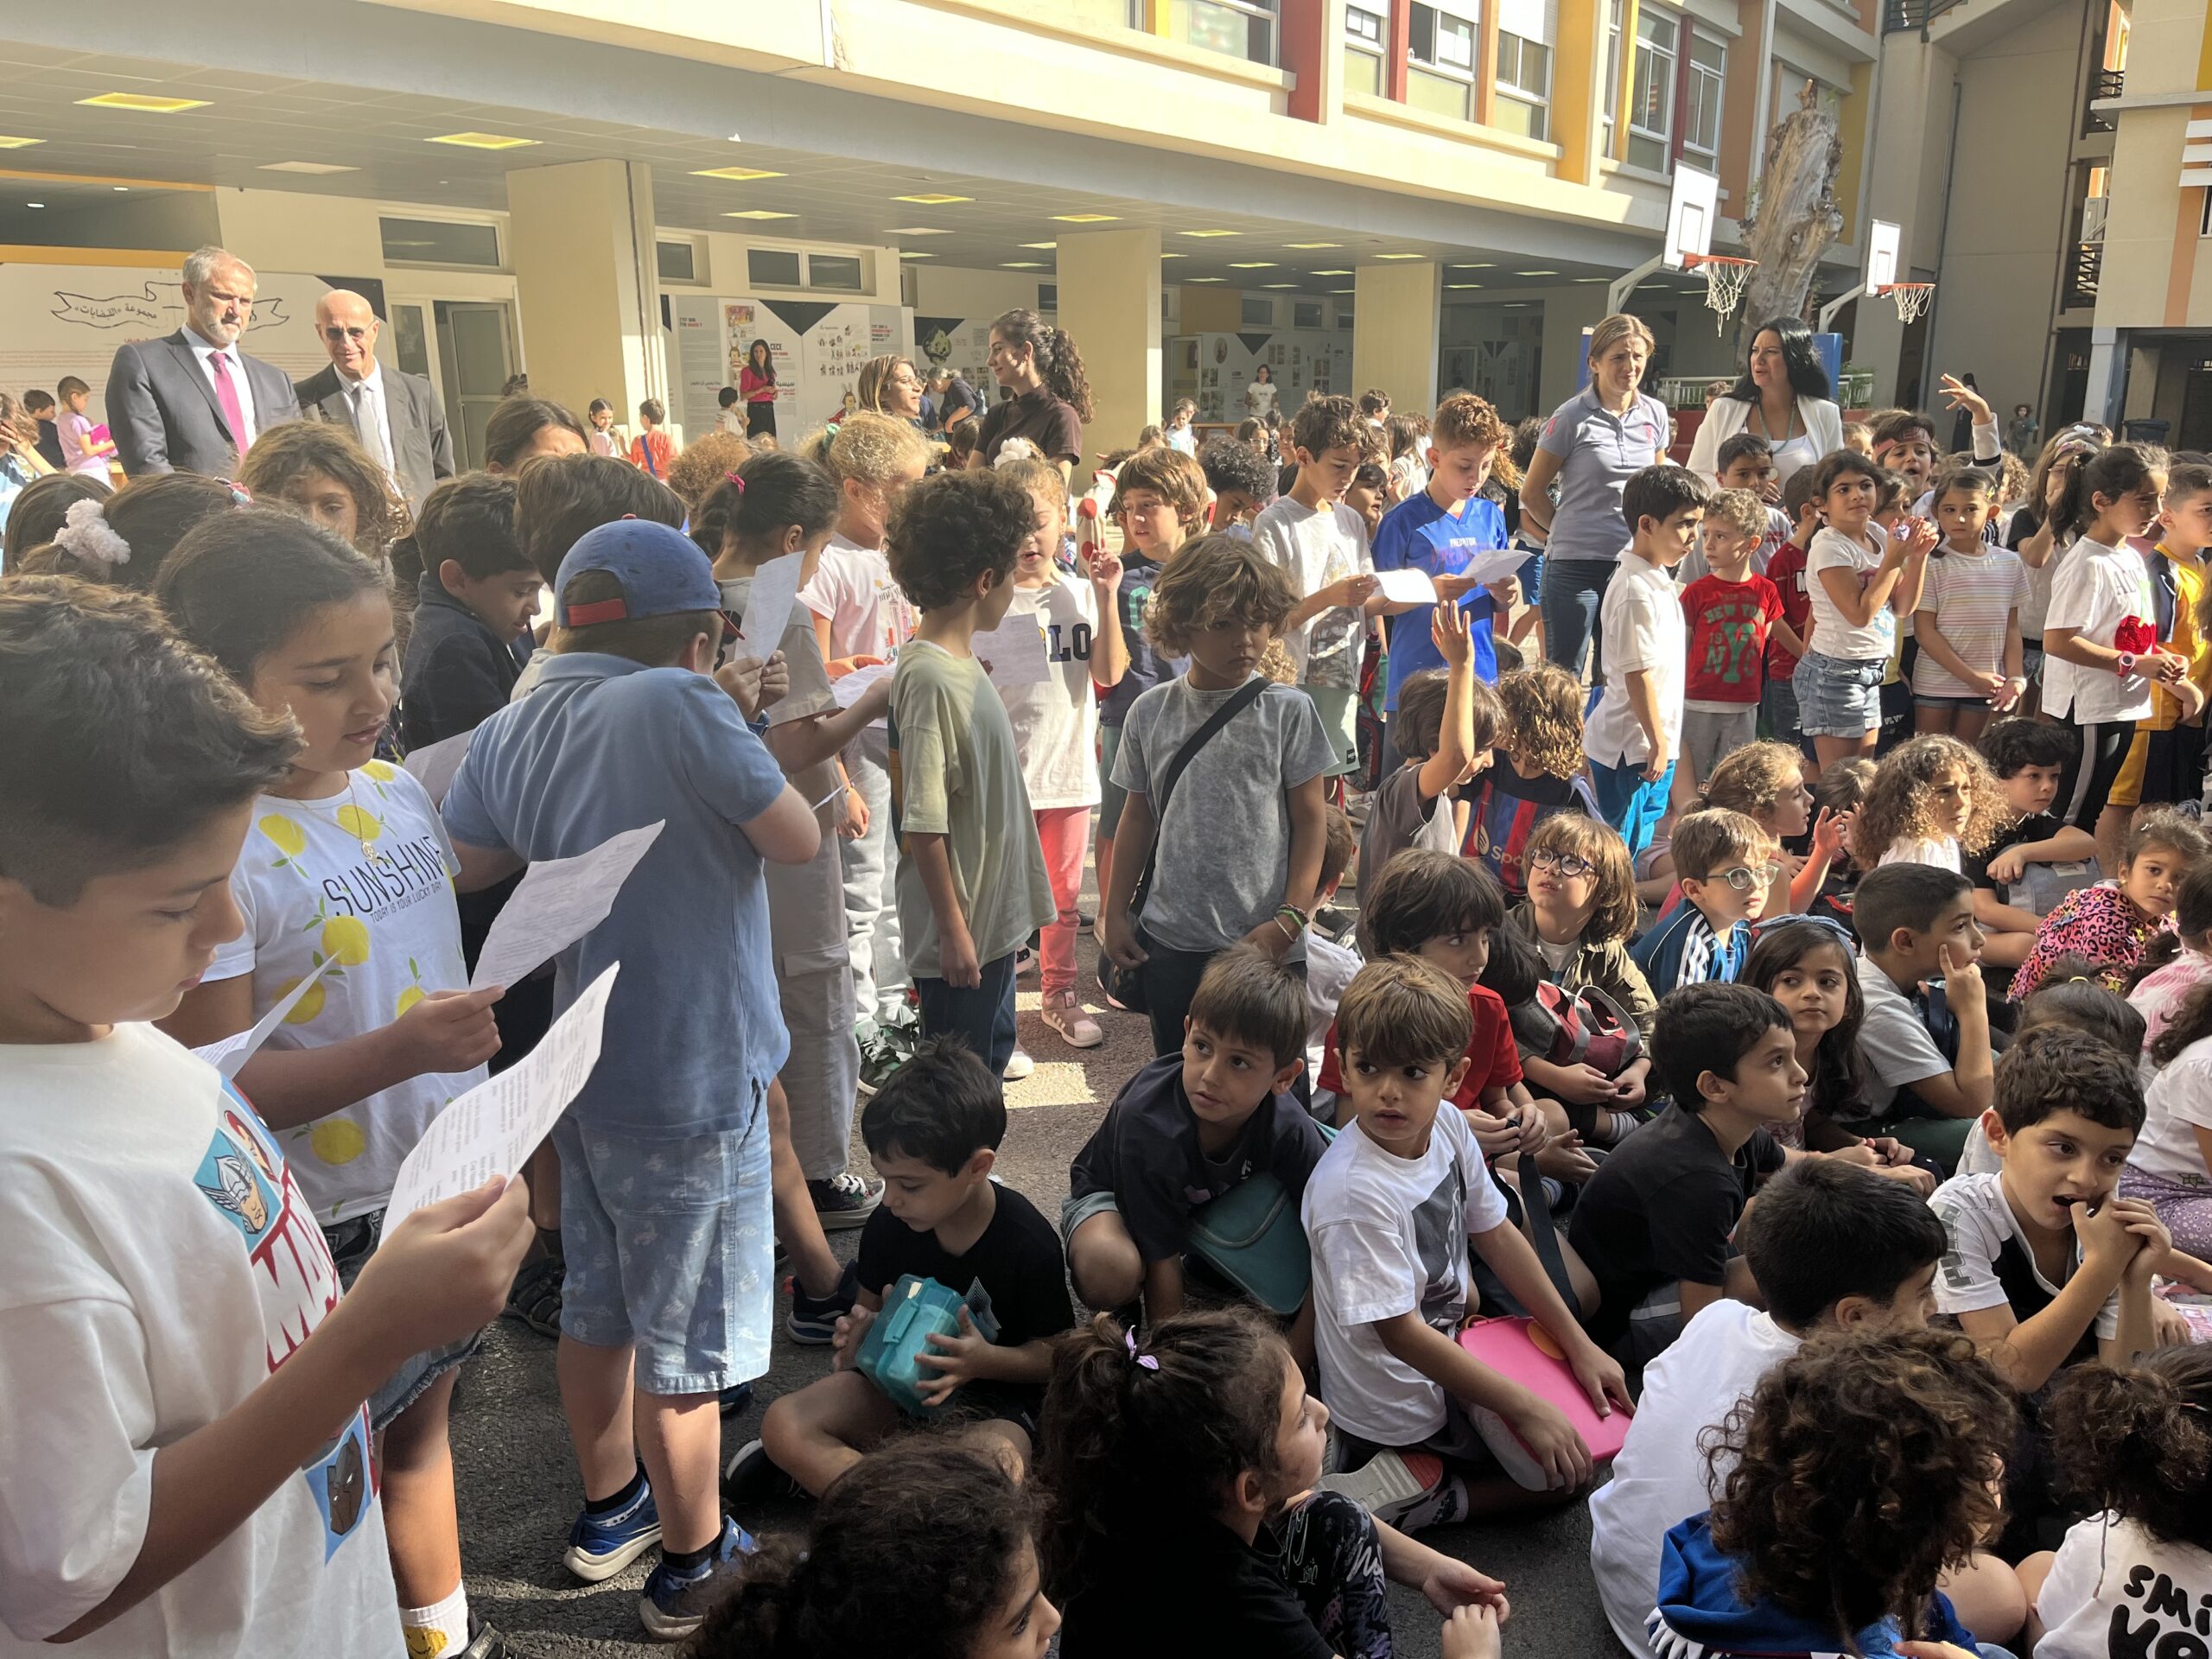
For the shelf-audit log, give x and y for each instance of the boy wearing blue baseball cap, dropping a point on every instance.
(665, 1169)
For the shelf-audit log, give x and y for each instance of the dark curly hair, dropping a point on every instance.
(1230, 464)
(288, 454)
(2137, 1440)
(1058, 364)
(943, 1520)
(1123, 1445)
(1861, 1469)
(949, 529)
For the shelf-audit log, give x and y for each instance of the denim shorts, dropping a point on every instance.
(352, 1242)
(1838, 696)
(670, 1250)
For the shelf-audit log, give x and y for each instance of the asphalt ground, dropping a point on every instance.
(518, 1489)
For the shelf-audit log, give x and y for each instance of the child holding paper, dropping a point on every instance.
(665, 1156)
(346, 863)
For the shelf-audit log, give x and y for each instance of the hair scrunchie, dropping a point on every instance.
(86, 535)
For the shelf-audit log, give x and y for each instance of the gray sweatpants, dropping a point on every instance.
(814, 979)
(871, 870)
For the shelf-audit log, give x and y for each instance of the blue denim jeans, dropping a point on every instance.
(1573, 590)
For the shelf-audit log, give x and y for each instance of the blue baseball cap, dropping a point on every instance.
(661, 571)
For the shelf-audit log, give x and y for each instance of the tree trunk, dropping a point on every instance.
(1793, 215)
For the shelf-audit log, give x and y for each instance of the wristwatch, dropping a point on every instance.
(2126, 665)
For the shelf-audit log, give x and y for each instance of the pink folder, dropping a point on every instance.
(1523, 1351)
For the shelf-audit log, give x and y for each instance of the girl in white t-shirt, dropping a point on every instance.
(861, 619)
(347, 874)
(1968, 619)
(1056, 723)
(2100, 634)
(2135, 1445)
(1862, 579)
(1932, 799)
(2171, 1163)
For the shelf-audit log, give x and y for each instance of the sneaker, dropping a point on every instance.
(736, 1398)
(1025, 963)
(883, 1051)
(676, 1600)
(753, 1475)
(536, 1298)
(1075, 1028)
(1106, 991)
(812, 1322)
(1409, 1492)
(844, 1200)
(1018, 1066)
(599, 1546)
(484, 1642)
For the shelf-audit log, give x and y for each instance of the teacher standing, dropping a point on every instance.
(1039, 365)
(1593, 445)
(1785, 397)
(756, 383)
(1261, 396)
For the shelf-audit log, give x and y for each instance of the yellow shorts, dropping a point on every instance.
(2127, 788)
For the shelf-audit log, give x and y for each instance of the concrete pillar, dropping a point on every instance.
(1109, 306)
(1394, 335)
(580, 239)
(2106, 397)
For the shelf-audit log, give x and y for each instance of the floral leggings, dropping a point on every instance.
(1334, 1563)
(2185, 1209)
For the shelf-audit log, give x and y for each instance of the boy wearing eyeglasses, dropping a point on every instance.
(1725, 863)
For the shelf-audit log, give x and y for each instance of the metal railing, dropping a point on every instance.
(2083, 274)
(1899, 15)
(2103, 84)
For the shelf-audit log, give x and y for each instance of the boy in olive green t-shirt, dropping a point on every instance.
(972, 886)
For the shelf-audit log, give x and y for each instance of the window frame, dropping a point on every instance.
(1664, 83)
(1266, 12)
(1516, 91)
(1467, 14)
(1697, 79)
(1377, 49)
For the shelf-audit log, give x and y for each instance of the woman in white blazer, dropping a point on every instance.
(1785, 397)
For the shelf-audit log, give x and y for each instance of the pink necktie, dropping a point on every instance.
(227, 395)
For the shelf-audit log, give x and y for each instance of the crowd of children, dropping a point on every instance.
(1654, 1110)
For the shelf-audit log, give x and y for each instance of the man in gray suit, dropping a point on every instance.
(396, 416)
(194, 402)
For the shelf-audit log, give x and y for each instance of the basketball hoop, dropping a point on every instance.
(1724, 278)
(1912, 299)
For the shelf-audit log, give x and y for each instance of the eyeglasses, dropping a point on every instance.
(1565, 864)
(1743, 877)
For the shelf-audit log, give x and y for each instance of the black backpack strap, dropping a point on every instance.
(1245, 697)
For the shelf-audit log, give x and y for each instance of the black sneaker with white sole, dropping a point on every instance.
(812, 1322)
(753, 1475)
(844, 1201)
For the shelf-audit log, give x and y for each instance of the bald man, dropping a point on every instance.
(396, 416)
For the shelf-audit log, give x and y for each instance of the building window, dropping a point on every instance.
(1651, 92)
(1612, 70)
(1701, 112)
(1258, 313)
(678, 261)
(1365, 34)
(1048, 297)
(772, 268)
(1524, 85)
(839, 271)
(1440, 60)
(439, 242)
(1306, 314)
(1241, 29)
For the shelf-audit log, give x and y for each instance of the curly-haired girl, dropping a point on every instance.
(943, 1521)
(1864, 1465)
(1932, 798)
(2133, 1447)
(321, 471)
(1181, 1473)
(1766, 783)
(1535, 774)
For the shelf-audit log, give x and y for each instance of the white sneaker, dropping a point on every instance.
(1075, 1028)
(1409, 1492)
(1018, 1065)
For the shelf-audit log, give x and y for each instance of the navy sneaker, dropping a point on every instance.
(753, 1474)
(676, 1601)
(812, 1322)
(599, 1546)
(736, 1398)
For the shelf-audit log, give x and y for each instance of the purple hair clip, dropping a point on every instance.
(1150, 1362)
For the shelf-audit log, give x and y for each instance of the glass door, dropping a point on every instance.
(476, 356)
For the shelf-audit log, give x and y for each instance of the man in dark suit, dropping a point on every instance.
(194, 402)
(396, 416)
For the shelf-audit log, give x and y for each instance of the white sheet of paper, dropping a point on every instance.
(1405, 586)
(493, 1128)
(768, 606)
(233, 1052)
(434, 767)
(1497, 564)
(849, 689)
(1014, 653)
(558, 902)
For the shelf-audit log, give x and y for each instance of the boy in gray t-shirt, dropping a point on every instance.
(1240, 844)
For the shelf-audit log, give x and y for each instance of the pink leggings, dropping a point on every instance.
(1065, 833)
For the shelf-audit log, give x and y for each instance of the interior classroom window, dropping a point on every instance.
(1440, 61)
(1651, 92)
(1365, 32)
(1708, 72)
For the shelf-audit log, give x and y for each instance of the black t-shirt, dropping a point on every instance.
(2037, 826)
(1660, 1209)
(1146, 1153)
(1045, 420)
(1018, 1261)
(1185, 1591)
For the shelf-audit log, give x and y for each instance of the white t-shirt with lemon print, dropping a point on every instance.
(365, 875)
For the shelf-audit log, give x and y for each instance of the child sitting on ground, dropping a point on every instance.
(2170, 1167)
(122, 540)
(1838, 793)
(1765, 782)
(1578, 916)
(1446, 722)
(1330, 959)
(476, 600)
(1188, 1128)
(2112, 923)
(947, 1523)
(187, 1421)
(1186, 1462)
(1725, 866)
(933, 1132)
(1391, 1210)
(1653, 1224)
(1802, 1554)
(2175, 963)
(1830, 1249)
(1933, 801)
(1731, 611)
(2028, 865)
(1534, 774)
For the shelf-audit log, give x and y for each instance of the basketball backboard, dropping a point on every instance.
(1883, 241)
(1693, 213)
